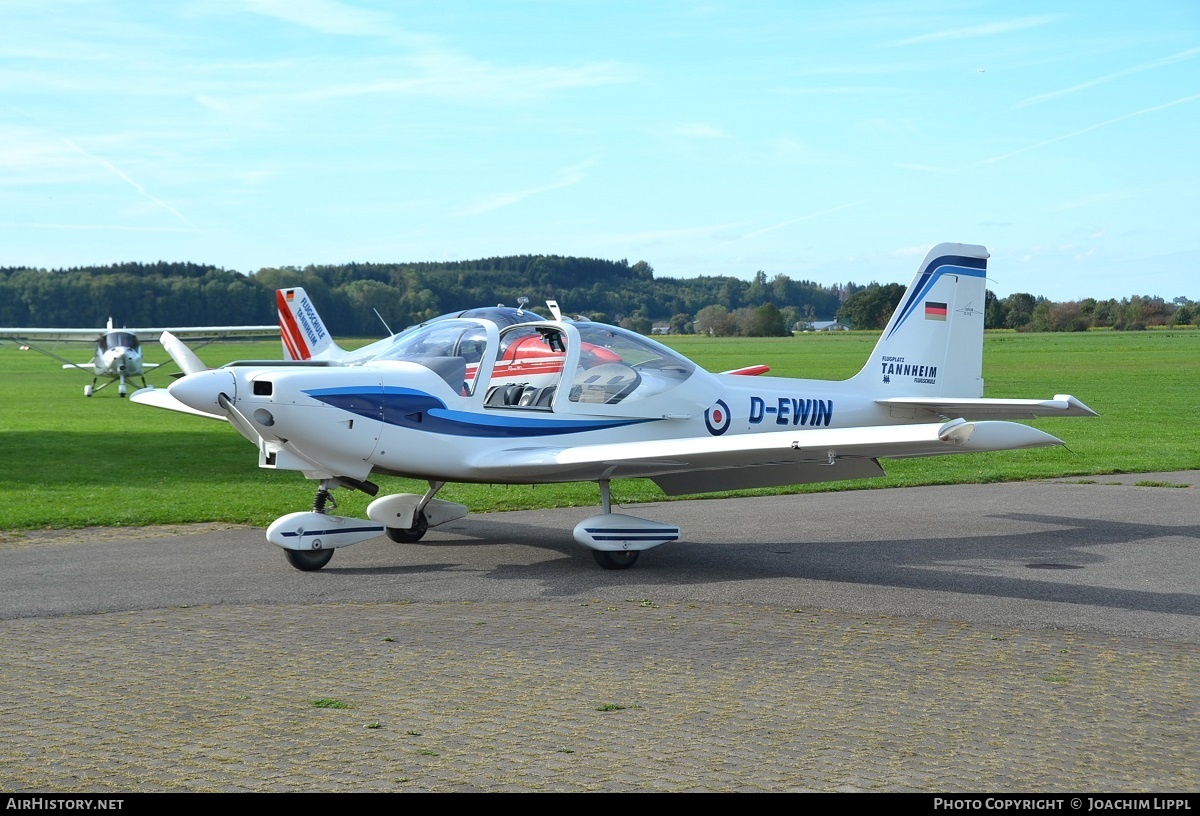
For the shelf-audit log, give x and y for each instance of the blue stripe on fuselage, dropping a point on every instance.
(416, 410)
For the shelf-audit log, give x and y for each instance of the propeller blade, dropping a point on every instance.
(183, 356)
(238, 420)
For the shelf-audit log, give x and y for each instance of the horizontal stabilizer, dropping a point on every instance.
(1063, 405)
(749, 371)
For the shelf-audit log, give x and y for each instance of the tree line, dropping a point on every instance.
(353, 298)
(873, 306)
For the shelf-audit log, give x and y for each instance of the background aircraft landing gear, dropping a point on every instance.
(412, 534)
(308, 560)
(616, 560)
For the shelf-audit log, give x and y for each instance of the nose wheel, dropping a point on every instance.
(313, 560)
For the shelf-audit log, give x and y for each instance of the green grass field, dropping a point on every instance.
(67, 461)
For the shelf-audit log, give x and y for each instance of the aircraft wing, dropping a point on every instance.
(707, 464)
(152, 335)
(54, 335)
(209, 332)
(27, 340)
(1063, 405)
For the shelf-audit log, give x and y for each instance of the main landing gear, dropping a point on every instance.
(308, 560)
(616, 539)
(122, 388)
(309, 538)
(420, 520)
(612, 559)
(412, 534)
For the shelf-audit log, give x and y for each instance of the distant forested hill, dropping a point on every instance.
(348, 295)
(166, 294)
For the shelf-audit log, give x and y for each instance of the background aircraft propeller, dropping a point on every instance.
(183, 356)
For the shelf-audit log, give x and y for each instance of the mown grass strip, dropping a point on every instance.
(67, 461)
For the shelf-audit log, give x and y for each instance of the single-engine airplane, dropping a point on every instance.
(118, 354)
(504, 396)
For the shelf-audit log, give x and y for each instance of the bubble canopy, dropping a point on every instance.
(528, 359)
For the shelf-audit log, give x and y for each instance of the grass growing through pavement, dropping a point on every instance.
(68, 461)
(329, 702)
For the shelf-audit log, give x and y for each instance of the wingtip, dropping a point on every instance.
(1075, 407)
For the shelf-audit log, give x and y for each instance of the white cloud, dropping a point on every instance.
(325, 16)
(974, 32)
(1098, 125)
(568, 177)
(699, 130)
(1171, 60)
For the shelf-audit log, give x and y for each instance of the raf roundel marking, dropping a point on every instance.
(717, 418)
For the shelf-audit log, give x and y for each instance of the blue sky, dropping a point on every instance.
(830, 142)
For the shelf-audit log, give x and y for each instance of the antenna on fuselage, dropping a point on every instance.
(384, 322)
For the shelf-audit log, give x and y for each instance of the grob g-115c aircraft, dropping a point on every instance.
(118, 353)
(503, 396)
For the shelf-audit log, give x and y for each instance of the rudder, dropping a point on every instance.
(933, 344)
(303, 332)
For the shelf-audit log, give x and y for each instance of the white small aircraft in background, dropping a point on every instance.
(504, 396)
(118, 354)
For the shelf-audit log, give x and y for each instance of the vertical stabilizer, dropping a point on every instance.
(301, 328)
(933, 345)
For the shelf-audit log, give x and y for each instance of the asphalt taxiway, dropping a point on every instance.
(1034, 636)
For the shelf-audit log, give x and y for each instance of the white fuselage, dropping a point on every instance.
(486, 396)
(116, 361)
(401, 418)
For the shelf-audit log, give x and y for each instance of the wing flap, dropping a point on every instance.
(766, 475)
